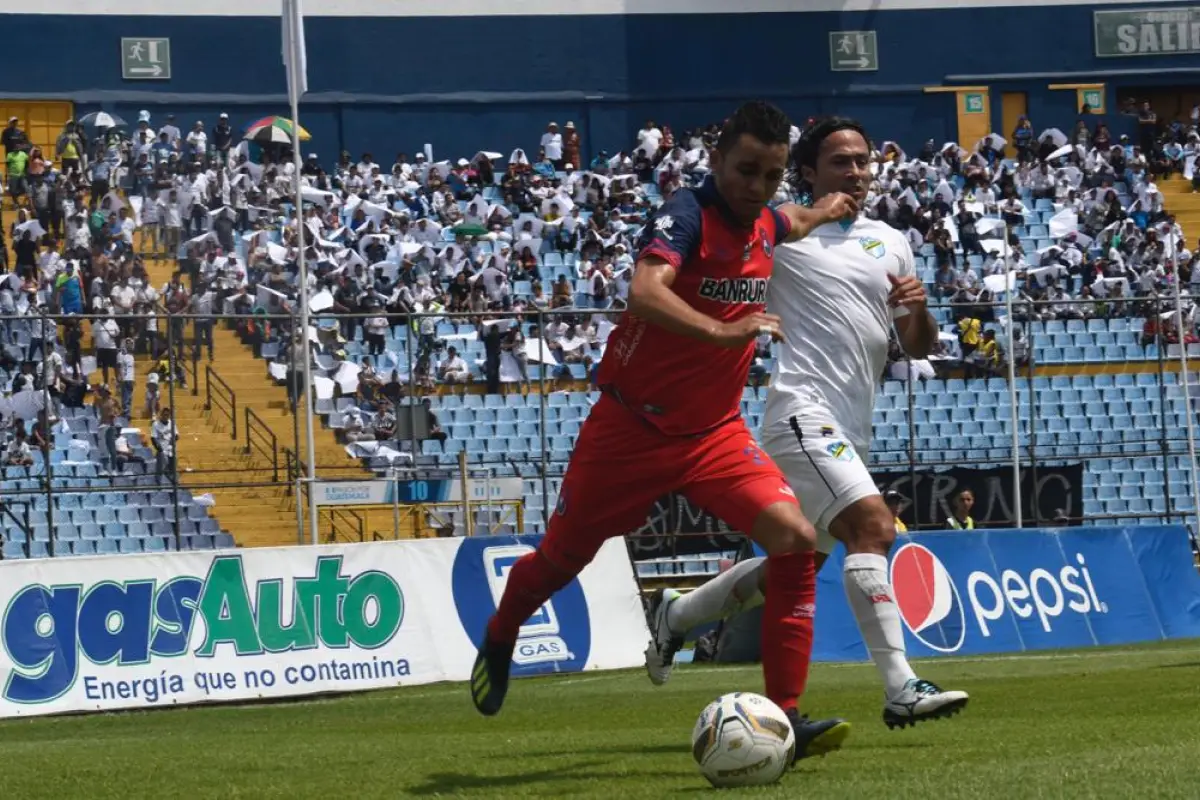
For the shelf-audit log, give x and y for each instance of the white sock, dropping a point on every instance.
(735, 589)
(865, 577)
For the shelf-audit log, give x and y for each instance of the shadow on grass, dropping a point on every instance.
(454, 784)
(893, 742)
(889, 744)
(1181, 664)
(622, 750)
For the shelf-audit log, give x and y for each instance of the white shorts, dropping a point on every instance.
(823, 468)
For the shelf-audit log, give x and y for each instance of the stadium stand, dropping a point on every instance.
(125, 518)
(437, 280)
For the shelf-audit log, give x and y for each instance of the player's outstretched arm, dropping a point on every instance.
(917, 329)
(830, 208)
(651, 299)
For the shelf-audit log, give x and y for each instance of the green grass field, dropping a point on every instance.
(1117, 722)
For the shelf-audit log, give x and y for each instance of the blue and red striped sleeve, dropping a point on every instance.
(783, 226)
(674, 231)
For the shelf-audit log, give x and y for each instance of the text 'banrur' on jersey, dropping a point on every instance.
(679, 385)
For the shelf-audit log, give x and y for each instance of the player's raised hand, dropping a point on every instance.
(837, 206)
(830, 208)
(747, 329)
(907, 291)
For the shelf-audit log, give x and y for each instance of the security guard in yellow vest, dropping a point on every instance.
(894, 500)
(960, 507)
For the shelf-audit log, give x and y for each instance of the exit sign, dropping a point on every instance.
(145, 58)
(973, 103)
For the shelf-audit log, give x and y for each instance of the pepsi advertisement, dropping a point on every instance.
(1011, 591)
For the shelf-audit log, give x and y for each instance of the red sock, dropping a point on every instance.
(531, 582)
(787, 626)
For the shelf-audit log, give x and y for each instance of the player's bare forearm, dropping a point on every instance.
(830, 208)
(803, 220)
(651, 299)
(918, 333)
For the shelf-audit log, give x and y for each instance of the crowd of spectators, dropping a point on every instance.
(1077, 218)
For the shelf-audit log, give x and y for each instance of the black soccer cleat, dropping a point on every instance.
(817, 737)
(489, 676)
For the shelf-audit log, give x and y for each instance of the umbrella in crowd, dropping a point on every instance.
(102, 119)
(273, 129)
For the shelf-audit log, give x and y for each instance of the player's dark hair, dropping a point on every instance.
(805, 151)
(762, 120)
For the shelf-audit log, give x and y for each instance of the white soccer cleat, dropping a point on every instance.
(660, 653)
(921, 700)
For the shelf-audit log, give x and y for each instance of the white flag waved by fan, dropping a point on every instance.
(295, 59)
(1065, 150)
(1063, 222)
(999, 284)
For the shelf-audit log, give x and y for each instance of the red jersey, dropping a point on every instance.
(679, 385)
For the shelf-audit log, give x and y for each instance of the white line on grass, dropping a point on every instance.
(550, 682)
(1084, 655)
(589, 679)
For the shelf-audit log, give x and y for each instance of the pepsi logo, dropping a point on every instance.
(928, 600)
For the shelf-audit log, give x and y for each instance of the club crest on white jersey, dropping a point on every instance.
(873, 247)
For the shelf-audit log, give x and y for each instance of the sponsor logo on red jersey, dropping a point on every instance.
(735, 291)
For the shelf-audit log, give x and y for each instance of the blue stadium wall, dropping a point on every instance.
(391, 75)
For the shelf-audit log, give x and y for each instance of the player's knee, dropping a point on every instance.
(870, 530)
(558, 564)
(782, 529)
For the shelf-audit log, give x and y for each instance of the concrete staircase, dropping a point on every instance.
(249, 482)
(220, 453)
(1184, 204)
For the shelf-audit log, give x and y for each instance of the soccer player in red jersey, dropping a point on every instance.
(669, 415)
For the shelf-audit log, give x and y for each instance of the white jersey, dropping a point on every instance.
(830, 290)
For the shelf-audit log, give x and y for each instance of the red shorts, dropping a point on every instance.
(621, 466)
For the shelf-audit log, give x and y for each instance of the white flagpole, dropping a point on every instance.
(1009, 288)
(296, 62)
(1185, 378)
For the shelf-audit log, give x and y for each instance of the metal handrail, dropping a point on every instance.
(291, 467)
(340, 518)
(191, 371)
(23, 524)
(230, 401)
(195, 372)
(260, 438)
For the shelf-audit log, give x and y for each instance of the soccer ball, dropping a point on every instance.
(743, 739)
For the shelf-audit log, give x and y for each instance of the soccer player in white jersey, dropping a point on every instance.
(839, 293)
